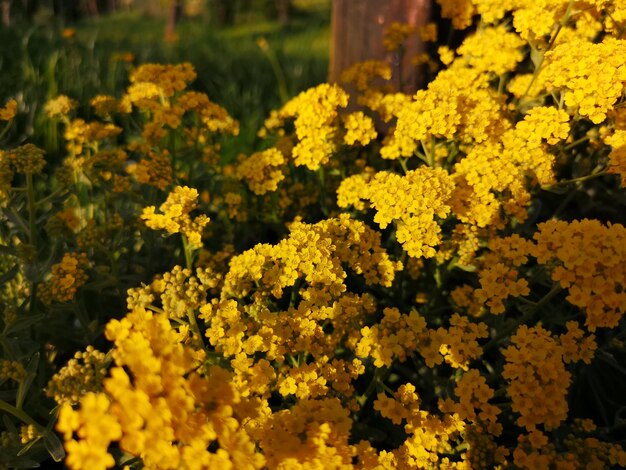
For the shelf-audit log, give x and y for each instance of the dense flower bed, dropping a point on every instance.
(394, 281)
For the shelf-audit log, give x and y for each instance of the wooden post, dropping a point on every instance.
(283, 8)
(357, 35)
(173, 15)
(6, 13)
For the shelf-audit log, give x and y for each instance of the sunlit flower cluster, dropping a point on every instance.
(175, 216)
(314, 113)
(433, 279)
(65, 279)
(262, 171)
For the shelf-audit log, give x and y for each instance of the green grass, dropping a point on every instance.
(36, 63)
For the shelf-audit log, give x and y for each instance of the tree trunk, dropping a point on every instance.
(283, 8)
(6, 13)
(91, 7)
(173, 15)
(224, 12)
(357, 35)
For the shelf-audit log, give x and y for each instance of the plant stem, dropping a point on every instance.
(19, 414)
(562, 23)
(556, 289)
(576, 180)
(32, 221)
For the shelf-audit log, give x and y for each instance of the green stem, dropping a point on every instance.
(539, 67)
(188, 251)
(277, 69)
(556, 289)
(430, 159)
(49, 197)
(380, 375)
(403, 164)
(19, 414)
(576, 180)
(6, 129)
(576, 142)
(191, 316)
(32, 221)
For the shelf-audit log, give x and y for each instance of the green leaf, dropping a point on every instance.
(28, 446)
(23, 462)
(7, 250)
(31, 373)
(24, 322)
(54, 446)
(8, 424)
(10, 274)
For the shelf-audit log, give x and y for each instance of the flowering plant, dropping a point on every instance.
(391, 281)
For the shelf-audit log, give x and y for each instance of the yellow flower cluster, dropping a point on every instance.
(353, 188)
(181, 292)
(456, 345)
(82, 374)
(309, 264)
(214, 117)
(313, 434)
(412, 201)
(315, 253)
(28, 433)
(492, 170)
(477, 51)
(154, 168)
(82, 136)
(175, 216)
(449, 108)
(314, 113)
(587, 258)
(459, 11)
(65, 279)
(359, 128)
(428, 32)
(576, 345)
(26, 159)
(473, 405)
(105, 105)
(262, 171)
(396, 34)
(60, 107)
(392, 338)
(428, 435)
(538, 380)
(95, 427)
(158, 407)
(497, 282)
(169, 78)
(591, 75)
(363, 73)
(617, 157)
(13, 370)
(9, 110)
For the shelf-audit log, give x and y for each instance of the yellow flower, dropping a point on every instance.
(175, 216)
(538, 380)
(262, 171)
(59, 107)
(396, 34)
(359, 128)
(8, 112)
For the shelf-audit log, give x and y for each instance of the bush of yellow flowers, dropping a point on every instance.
(434, 280)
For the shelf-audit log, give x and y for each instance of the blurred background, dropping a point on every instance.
(250, 55)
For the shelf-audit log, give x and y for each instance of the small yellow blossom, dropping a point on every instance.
(9, 111)
(175, 216)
